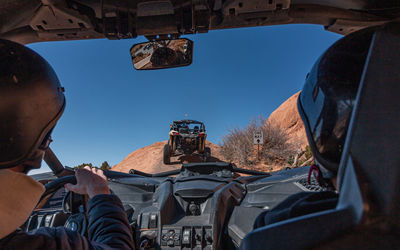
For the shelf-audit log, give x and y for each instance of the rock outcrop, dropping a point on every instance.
(287, 117)
(150, 159)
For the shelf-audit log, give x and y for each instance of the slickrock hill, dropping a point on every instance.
(149, 159)
(287, 117)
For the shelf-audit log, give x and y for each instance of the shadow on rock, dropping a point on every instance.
(194, 158)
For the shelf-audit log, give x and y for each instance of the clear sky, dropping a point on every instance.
(236, 74)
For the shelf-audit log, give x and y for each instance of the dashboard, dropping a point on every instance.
(206, 206)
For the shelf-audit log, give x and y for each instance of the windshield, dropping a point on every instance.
(121, 118)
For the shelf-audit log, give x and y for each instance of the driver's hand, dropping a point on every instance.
(90, 181)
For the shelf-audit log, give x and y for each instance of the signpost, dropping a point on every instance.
(258, 139)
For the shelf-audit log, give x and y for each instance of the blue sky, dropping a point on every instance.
(236, 74)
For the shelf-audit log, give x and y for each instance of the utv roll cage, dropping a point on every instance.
(177, 124)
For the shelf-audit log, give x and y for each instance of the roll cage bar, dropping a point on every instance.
(178, 122)
(29, 21)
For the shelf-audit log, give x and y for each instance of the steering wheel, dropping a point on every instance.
(76, 222)
(56, 184)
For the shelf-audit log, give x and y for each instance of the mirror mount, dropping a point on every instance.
(154, 38)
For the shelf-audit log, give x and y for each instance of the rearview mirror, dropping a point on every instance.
(162, 54)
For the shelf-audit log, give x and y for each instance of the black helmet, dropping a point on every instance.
(164, 56)
(31, 102)
(326, 101)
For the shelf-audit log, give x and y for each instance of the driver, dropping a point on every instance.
(164, 56)
(31, 102)
(325, 105)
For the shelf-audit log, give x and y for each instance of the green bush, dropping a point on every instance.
(308, 154)
(290, 160)
(104, 166)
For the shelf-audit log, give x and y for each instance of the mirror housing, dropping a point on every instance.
(162, 54)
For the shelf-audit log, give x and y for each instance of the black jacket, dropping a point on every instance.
(108, 229)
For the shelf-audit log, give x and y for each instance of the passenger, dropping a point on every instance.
(325, 106)
(31, 102)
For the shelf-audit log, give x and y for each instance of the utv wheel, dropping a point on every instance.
(166, 155)
(206, 154)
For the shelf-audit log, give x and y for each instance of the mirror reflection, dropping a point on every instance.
(162, 54)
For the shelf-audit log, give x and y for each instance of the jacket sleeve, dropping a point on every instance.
(108, 229)
(108, 223)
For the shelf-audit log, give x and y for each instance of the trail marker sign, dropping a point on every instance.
(258, 138)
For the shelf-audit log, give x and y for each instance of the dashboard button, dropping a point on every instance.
(153, 221)
(209, 239)
(144, 221)
(186, 237)
(185, 240)
(171, 243)
(198, 237)
(73, 226)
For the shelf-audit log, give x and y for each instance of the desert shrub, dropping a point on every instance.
(276, 144)
(237, 145)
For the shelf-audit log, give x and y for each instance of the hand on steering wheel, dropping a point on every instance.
(90, 181)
